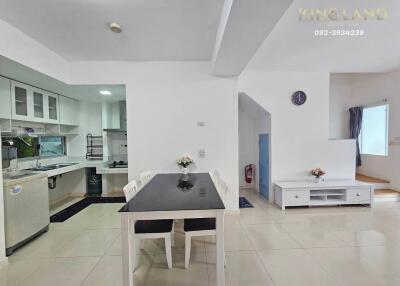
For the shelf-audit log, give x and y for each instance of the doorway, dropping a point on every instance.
(254, 146)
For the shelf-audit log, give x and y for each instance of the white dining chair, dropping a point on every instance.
(201, 226)
(130, 190)
(145, 177)
(147, 229)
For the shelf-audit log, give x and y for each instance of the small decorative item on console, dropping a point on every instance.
(318, 173)
(184, 163)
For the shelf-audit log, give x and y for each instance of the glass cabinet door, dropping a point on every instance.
(52, 107)
(21, 101)
(38, 104)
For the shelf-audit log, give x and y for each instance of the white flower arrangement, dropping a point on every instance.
(184, 161)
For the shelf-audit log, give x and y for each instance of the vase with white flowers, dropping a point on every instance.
(184, 162)
(318, 173)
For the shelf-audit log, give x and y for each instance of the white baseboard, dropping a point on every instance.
(247, 187)
(3, 263)
(59, 200)
(232, 211)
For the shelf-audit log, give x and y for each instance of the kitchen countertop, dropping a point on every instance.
(101, 168)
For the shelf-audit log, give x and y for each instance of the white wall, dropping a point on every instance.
(164, 103)
(299, 140)
(339, 104)
(248, 151)
(90, 122)
(366, 89)
(372, 89)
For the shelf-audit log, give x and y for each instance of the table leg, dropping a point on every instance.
(128, 244)
(220, 249)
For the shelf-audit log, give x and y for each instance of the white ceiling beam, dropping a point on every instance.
(244, 26)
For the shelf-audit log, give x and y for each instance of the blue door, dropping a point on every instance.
(263, 165)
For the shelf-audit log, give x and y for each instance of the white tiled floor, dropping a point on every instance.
(264, 246)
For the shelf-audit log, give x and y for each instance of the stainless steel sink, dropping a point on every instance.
(62, 165)
(52, 167)
(43, 168)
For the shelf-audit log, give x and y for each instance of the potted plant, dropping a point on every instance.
(184, 162)
(318, 173)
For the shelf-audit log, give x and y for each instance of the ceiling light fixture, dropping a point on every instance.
(115, 27)
(105, 92)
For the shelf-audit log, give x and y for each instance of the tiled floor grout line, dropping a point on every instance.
(208, 272)
(258, 257)
(265, 267)
(91, 271)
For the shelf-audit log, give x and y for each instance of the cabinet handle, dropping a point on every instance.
(296, 196)
(358, 194)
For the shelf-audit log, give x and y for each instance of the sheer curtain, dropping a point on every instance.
(356, 114)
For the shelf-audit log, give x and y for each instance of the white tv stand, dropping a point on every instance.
(330, 192)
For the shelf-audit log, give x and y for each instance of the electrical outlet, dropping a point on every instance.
(202, 153)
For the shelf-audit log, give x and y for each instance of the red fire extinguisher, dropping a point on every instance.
(248, 173)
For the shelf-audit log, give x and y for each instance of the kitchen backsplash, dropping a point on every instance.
(117, 146)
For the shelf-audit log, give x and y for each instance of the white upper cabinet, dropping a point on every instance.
(33, 104)
(22, 101)
(5, 98)
(69, 111)
(52, 108)
(38, 104)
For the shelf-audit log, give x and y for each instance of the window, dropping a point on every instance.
(44, 146)
(374, 130)
(51, 146)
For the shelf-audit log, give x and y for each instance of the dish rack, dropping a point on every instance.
(94, 147)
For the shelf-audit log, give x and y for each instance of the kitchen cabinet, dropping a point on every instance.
(38, 104)
(33, 104)
(5, 98)
(52, 110)
(21, 101)
(69, 111)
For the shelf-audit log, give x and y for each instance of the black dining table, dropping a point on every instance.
(173, 196)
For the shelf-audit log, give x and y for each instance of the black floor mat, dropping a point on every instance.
(82, 204)
(244, 203)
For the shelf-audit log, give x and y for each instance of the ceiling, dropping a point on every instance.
(153, 30)
(90, 93)
(186, 30)
(292, 45)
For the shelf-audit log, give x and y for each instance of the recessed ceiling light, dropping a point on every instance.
(105, 92)
(115, 27)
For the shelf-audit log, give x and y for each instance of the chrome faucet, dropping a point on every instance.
(37, 163)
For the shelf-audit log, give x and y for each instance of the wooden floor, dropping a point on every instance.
(367, 179)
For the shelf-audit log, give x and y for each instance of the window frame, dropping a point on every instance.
(360, 137)
(64, 144)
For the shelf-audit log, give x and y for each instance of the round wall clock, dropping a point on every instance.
(299, 98)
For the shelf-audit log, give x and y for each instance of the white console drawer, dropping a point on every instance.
(296, 197)
(358, 195)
